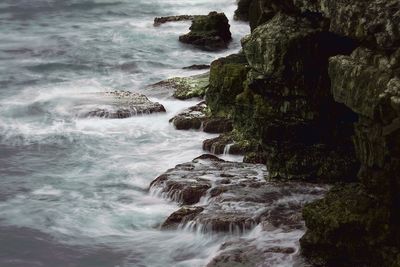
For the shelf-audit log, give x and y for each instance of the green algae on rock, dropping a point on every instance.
(186, 87)
(349, 228)
(210, 32)
(227, 76)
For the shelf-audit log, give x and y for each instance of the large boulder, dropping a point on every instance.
(211, 32)
(227, 76)
(358, 225)
(288, 105)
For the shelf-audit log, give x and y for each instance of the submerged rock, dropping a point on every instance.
(185, 87)
(197, 67)
(211, 32)
(120, 105)
(161, 20)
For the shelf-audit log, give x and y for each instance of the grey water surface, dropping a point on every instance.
(73, 191)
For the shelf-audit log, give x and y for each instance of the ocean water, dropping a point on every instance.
(73, 191)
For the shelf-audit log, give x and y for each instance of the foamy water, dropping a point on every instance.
(73, 191)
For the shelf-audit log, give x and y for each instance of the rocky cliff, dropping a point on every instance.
(317, 85)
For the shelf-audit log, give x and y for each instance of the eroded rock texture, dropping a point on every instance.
(233, 198)
(319, 91)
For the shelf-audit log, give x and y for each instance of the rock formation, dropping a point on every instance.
(232, 198)
(161, 20)
(211, 32)
(318, 87)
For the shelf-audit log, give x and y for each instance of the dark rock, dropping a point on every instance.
(196, 118)
(161, 20)
(185, 87)
(357, 225)
(261, 11)
(120, 105)
(227, 76)
(306, 99)
(348, 212)
(209, 32)
(217, 125)
(288, 103)
(197, 67)
(373, 23)
(181, 216)
(242, 12)
(255, 157)
(229, 143)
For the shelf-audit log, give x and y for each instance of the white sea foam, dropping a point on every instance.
(84, 181)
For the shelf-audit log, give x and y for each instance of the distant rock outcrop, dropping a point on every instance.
(211, 32)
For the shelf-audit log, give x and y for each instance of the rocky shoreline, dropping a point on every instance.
(314, 95)
(312, 102)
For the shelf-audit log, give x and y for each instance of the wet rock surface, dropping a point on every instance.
(211, 32)
(191, 118)
(197, 118)
(230, 143)
(236, 198)
(119, 105)
(305, 57)
(265, 251)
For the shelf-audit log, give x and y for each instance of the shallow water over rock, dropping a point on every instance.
(235, 198)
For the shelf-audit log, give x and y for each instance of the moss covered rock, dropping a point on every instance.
(350, 228)
(211, 32)
(186, 87)
(288, 105)
(227, 76)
